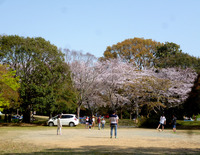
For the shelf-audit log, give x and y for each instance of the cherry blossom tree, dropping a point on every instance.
(155, 88)
(181, 80)
(162, 88)
(116, 83)
(84, 72)
(114, 75)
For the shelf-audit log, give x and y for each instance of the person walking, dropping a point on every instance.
(113, 124)
(174, 123)
(59, 124)
(162, 122)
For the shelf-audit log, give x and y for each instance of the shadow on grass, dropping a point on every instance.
(112, 150)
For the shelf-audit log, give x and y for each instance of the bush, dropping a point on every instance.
(148, 122)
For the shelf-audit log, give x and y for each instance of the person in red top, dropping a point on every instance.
(99, 122)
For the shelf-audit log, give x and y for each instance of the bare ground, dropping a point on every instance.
(44, 140)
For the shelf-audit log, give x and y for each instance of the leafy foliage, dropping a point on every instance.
(83, 73)
(41, 68)
(170, 55)
(9, 85)
(139, 51)
(192, 105)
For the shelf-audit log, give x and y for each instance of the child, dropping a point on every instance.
(90, 123)
(59, 124)
(174, 123)
(103, 122)
(162, 122)
(86, 122)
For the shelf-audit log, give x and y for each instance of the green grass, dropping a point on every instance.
(41, 121)
(188, 124)
(11, 145)
(126, 122)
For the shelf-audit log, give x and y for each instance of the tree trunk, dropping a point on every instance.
(130, 115)
(137, 111)
(78, 112)
(121, 113)
(27, 114)
(9, 118)
(6, 118)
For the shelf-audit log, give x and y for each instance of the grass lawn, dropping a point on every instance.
(43, 140)
(38, 138)
(188, 124)
(42, 120)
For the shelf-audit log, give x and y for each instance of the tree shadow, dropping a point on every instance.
(113, 150)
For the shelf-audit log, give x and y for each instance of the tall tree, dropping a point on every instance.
(84, 73)
(40, 66)
(139, 51)
(168, 87)
(170, 55)
(114, 75)
(192, 104)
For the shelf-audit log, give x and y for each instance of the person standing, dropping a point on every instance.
(99, 122)
(90, 122)
(174, 123)
(93, 121)
(162, 122)
(103, 122)
(86, 122)
(59, 124)
(113, 124)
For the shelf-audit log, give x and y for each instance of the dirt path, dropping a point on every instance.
(141, 141)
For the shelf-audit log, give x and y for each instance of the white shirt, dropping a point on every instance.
(59, 124)
(162, 119)
(113, 119)
(103, 121)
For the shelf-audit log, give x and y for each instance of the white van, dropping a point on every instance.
(66, 119)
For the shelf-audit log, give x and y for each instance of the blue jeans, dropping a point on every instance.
(99, 126)
(111, 131)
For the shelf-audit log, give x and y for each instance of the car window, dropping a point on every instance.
(55, 117)
(67, 116)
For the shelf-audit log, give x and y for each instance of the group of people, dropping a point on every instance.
(113, 118)
(162, 123)
(90, 122)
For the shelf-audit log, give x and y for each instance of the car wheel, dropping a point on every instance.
(50, 124)
(71, 124)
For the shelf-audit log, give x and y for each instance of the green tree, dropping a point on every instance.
(192, 104)
(139, 51)
(170, 55)
(9, 85)
(41, 68)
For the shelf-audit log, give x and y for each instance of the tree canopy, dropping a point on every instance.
(134, 74)
(192, 104)
(170, 55)
(41, 68)
(139, 51)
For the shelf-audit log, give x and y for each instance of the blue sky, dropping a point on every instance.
(92, 25)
